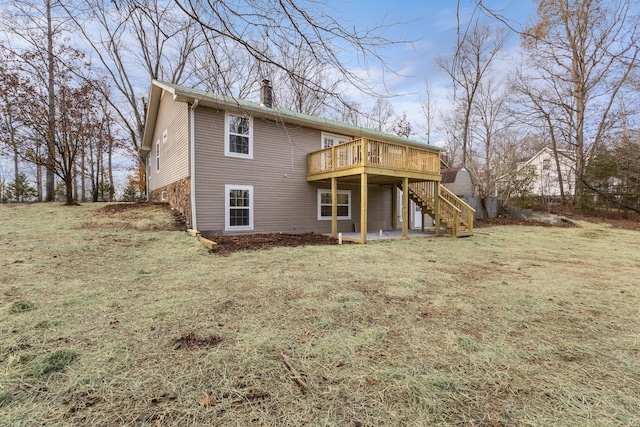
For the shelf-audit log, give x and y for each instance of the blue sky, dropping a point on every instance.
(432, 24)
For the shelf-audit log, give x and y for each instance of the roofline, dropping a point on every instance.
(565, 153)
(208, 99)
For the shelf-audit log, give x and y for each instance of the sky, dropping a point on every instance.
(432, 25)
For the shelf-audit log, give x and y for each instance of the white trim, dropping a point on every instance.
(338, 139)
(229, 153)
(227, 207)
(322, 191)
(192, 163)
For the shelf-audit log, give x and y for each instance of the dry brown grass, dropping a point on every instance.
(515, 326)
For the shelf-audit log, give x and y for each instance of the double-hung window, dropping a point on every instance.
(238, 207)
(238, 136)
(343, 204)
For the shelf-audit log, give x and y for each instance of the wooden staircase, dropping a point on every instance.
(455, 216)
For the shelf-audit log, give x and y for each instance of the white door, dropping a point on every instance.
(417, 216)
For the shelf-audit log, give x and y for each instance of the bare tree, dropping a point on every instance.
(134, 42)
(468, 67)
(541, 112)
(29, 24)
(428, 107)
(268, 30)
(380, 116)
(494, 139)
(585, 53)
(15, 89)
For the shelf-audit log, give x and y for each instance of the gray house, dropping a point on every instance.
(231, 166)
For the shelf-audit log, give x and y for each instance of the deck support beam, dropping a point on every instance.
(334, 208)
(405, 208)
(436, 204)
(394, 207)
(363, 208)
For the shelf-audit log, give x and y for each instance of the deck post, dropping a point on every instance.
(436, 206)
(394, 207)
(405, 208)
(363, 208)
(334, 207)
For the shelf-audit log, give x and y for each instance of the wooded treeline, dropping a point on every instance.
(575, 89)
(75, 75)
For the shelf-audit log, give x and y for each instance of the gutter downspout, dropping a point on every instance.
(192, 161)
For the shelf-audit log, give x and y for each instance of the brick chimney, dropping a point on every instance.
(266, 94)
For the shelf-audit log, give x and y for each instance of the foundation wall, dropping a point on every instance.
(177, 195)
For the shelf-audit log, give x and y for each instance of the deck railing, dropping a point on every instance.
(463, 211)
(367, 152)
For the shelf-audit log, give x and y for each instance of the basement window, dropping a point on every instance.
(324, 204)
(238, 207)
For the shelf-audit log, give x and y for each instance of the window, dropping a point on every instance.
(238, 136)
(158, 156)
(546, 164)
(324, 204)
(329, 139)
(238, 207)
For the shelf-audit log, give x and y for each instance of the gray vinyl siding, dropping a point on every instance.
(283, 200)
(174, 153)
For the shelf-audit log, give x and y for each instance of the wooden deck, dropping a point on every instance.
(414, 170)
(382, 161)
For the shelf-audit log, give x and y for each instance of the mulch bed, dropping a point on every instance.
(228, 244)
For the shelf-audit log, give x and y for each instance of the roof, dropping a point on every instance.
(561, 153)
(449, 175)
(199, 97)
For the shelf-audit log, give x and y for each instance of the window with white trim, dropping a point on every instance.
(238, 136)
(331, 139)
(158, 156)
(238, 207)
(343, 204)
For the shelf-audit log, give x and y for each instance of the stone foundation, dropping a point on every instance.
(178, 195)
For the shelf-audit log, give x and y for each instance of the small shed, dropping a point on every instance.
(458, 180)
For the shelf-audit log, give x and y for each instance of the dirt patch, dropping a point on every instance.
(617, 219)
(137, 216)
(254, 242)
(492, 222)
(191, 340)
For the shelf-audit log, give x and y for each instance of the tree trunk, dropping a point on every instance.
(51, 113)
(68, 187)
(83, 176)
(16, 162)
(554, 147)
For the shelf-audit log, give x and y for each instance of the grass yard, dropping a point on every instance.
(116, 318)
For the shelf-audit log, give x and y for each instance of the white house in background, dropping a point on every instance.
(545, 172)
